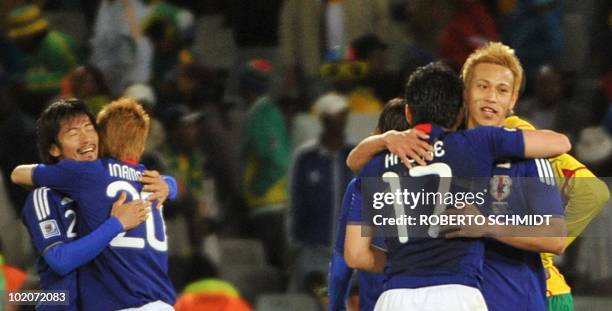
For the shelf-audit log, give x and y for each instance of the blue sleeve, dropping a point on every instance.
(173, 189)
(339, 283)
(65, 257)
(65, 176)
(498, 143)
(42, 217)
(354, 215)
(542, 192)
(344, 210)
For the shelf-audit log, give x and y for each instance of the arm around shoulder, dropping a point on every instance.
(545, 144)
(22, 174)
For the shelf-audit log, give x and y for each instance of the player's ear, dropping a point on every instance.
(513, 102)
(408, 114)
(462, 115)
(55, 151)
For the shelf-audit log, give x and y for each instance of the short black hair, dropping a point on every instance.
(393, 117)
(434, 93)
(49, 123)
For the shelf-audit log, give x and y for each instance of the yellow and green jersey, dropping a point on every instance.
(585, 196)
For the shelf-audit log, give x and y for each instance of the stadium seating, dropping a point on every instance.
(282, 302)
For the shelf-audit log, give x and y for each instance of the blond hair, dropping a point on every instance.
(124, 127)
(494, 53)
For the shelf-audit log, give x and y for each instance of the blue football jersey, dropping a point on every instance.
(132, 271)
(512, 276)
(370, 284)
(51, 219)
(351, 196)
(425, 261)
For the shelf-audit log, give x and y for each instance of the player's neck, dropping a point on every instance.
(129, 161)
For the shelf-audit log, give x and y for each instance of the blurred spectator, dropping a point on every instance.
(413, 58)
(87, 83)
(188, 218)
(118, 47)
(17, 145)
(170, 29)
(255, 29)
(371, 50)
(312, 29)
(552, 105)
(469, 28)
(49, 55)
(345, 77)
(533, 30)
(318, 178)
(265, 160)
(199, 86)
(594, 148)
(144, 94)
(425, 19)
(11, 62)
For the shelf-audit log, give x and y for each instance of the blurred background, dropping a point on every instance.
(256, 104)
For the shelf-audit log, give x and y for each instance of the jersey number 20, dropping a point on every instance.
(136, 242)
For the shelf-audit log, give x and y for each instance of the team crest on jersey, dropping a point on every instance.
(499, 187)
(49, 228)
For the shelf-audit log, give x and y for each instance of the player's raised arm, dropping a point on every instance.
(545, 144)
(407, 145)
(22, 174)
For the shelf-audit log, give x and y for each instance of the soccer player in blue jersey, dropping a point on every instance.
(132, 272)
(513, 271)
(51, 222)
(370, 284)
(339, 279)
(432, 272)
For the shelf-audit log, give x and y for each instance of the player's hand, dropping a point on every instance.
(409, 145)
(154, 183)
(467, 230)
(130, 214)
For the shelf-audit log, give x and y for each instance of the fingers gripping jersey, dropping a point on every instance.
(133, 270)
